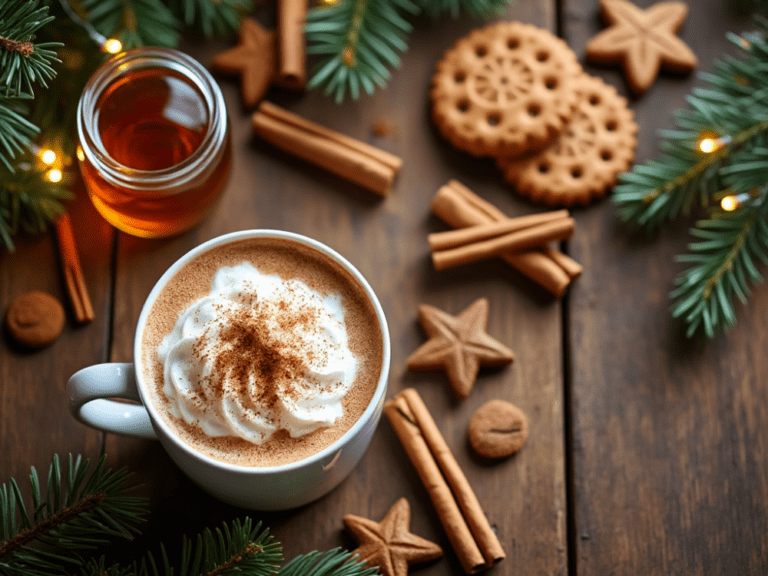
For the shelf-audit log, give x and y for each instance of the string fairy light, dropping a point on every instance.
(54, 175)
(48, 157)
(708, 144)
(108, 45)
(733, 201)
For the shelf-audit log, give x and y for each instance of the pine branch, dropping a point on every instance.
(240, 548)
(134, 22)
(336, 562)
(475, 8)
(361, 40)
(16, 132)
(734, 105)
(29, 202)
(722, 265)
(22, 61)
(76, 513)
(212, 17)
(732, 109)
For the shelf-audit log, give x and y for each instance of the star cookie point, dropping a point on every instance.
(459, 345)
(389, 544)
(253, 58)
(644, 41)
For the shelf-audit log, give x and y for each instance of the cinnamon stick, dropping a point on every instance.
(291, 66)
(459, 207)
(513, 242)
(571, 267)
(473, 512)
(404, 423)
(486, 230)
(77, 290)
(352, 159)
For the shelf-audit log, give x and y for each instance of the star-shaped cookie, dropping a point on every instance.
(388, 544)
(459, 345)
(643, 40)
(254, 59)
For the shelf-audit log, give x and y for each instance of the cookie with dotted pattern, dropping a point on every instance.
(585, 160)
(504, 89)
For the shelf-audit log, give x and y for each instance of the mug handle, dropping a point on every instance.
(89, 391)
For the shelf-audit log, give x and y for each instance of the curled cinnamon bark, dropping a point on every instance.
(484, 231)
(77, 289)
(459, 207)
(461, 514)
(292, 67)
(352, 159)
(512, 242)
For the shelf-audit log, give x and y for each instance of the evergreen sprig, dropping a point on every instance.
(475, 8)
(238, 548)
(731, 109)
(360, 41)
(29, 202)
(83, 509)
(336, 562)
(16, 132)
(22, 61)
(79, 510)
(212, 18)
(721, 265)
(134, 22)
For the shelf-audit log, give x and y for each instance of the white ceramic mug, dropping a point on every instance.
(262, 488)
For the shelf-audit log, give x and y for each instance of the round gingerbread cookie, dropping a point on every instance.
(35, 319)
(497, 429)
(504, 89)
(584, 161)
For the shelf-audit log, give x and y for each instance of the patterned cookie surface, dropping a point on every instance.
(583, 162)
(504, 89)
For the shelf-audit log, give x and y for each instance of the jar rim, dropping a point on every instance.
(145, 58)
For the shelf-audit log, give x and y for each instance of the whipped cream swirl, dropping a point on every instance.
(256, 355)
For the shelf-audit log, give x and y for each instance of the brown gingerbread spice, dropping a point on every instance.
(35, 319)
(250, 347)
(497, 429)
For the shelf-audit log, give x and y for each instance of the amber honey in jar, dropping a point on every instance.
(154, 146)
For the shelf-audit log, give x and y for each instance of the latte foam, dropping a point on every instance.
(261, 352)
(256, 355)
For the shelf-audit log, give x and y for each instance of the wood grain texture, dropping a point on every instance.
(669, 435)
(34, 419)
(386, 240)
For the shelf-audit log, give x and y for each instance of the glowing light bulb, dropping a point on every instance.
(54, 175)
(80, 154)
(707, 145)
(112, 46)
(48, 157)
(729, 203)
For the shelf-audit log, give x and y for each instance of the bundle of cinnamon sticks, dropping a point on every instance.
(487, 232)
(460, 512)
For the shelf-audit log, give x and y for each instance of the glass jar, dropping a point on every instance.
(154, 146)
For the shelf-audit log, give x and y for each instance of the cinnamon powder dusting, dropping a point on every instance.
(258, 360)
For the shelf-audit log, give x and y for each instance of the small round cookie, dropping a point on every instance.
(35, 319)
(504, 89)
(584, 161)
(497, 429)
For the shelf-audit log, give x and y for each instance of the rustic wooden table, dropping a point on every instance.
(648, 453)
